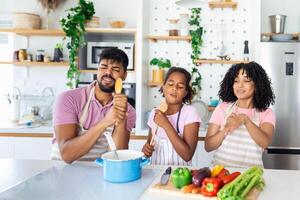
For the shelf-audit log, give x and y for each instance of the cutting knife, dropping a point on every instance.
(164, 179)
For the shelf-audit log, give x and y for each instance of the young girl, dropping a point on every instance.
(176, 130)
(242, 126)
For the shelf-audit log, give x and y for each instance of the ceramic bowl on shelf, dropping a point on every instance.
(117, 22)
(282, 37)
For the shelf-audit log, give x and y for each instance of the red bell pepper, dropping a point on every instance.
(227, 177)
(211, 186)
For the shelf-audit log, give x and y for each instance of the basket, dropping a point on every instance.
(24, 20)
(93, 23)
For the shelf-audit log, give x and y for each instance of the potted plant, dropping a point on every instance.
(73, 26)
(158, 74)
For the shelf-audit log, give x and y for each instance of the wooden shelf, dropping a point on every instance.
(152, 84)
(213, 4)
(29, 32)
(58, 64)
(88, 70)
(295, 35)
(58, 32)
(154, 38)
(209, 61)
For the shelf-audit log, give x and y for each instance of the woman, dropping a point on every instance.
(242, 126)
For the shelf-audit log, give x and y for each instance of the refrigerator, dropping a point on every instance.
(282, 63)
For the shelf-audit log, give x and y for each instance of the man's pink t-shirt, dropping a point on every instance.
(188, 115)
(218, 116)
(69, 106)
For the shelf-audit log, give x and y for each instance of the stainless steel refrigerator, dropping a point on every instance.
(282, 63)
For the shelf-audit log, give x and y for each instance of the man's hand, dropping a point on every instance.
(160, 118)
(120, 104)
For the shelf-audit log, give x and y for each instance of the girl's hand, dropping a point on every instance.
(148, 149)
(160, 118)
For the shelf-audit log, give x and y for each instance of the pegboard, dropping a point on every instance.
(222, 26)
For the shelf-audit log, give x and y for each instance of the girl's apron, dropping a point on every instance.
(164, 153)
(100, 147)
(238, 149)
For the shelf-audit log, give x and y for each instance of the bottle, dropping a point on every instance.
(22, 55)
(40, 55)
(246, 51)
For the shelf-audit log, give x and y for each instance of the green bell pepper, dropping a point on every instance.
(181, 177)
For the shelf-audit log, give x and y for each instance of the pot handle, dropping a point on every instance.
(99, 161)
(145, 161)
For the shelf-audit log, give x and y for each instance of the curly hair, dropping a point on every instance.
(189, 96)
(263, 93)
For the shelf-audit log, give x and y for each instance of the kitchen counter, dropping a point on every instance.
(9, 129)
(59, 182)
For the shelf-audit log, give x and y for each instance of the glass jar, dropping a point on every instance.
(40, 55)
(22, 55)
(173, 27)
(184, 24)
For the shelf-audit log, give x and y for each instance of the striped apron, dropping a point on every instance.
(238, 149)
(164, 153)
(100, 147)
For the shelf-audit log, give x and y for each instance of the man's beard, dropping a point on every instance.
(104, 88)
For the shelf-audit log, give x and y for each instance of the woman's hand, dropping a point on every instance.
(234, 121)
(160, 118)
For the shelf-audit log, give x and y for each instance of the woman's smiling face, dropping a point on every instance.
(175, 88)
(243, 86)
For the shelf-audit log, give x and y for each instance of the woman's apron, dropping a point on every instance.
(238, 149)
(164, 153)
(100, 147)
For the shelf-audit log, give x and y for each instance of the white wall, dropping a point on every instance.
(221, 25)
(290, 8)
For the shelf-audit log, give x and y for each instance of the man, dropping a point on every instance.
(82, 116)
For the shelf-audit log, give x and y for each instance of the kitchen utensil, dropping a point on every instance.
(277, 23)
(126, 169)
(282, 37)
(163, 107)
(111, 144)
(118, 85)
(164, 179)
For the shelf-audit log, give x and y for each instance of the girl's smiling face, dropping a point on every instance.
(243, 86)
(175, 88)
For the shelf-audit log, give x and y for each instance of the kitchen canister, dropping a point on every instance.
(15, 105)
(277, 23)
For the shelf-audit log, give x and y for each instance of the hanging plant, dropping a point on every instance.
(73, 26)
(196, 32)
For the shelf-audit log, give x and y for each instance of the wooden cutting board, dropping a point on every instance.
(169, 189)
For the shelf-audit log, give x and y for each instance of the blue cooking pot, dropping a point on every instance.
(124, 169)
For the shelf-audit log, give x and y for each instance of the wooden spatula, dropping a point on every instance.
(163, 107)
(118, 86)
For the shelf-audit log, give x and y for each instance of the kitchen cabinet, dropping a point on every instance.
(25, 148)
(6, 147)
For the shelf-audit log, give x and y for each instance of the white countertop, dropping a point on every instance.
(9, 127)
(280, 184)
